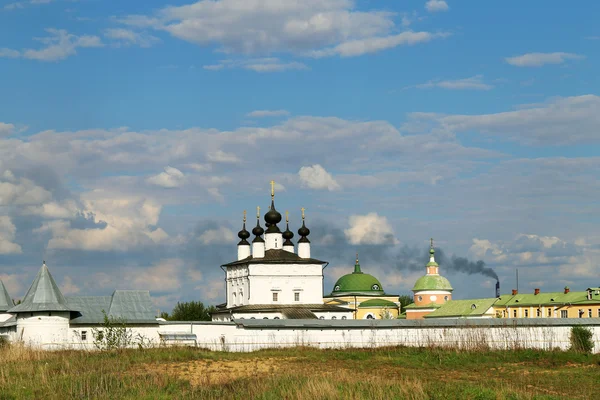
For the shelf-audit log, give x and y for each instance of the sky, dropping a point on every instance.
(133, 135)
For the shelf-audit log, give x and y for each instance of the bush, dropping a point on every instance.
(581, 339)
(3, 341)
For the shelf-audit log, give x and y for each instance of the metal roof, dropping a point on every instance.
(131, 306)
(281, 307)
(5, 299)
(43, 295)
(276, 256)
(463, 308)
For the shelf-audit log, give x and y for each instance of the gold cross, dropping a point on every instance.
(302, 209)
(287, 216)
(244, 215)
(257, 211)
(272, 189)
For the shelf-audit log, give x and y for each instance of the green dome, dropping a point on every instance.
(432, 282)
(357, 282)
(377, 303)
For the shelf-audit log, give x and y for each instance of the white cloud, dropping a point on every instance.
(128, 37)
(21, 191)
(540, 59)
(59, 45)
(359, 47)
(161, 277)
(263, 27)
(256, 114)
(369, 229)
(261, 65)
(219, 235)
(6, 129)
(473, 83)
(316, 177)
(170, 178)
(69, 288)
(562, 120)
(7, 237)
(220, 156)
(21, 4)
(436, 5)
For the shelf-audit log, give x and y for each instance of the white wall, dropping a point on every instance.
(286, 280)
(43, 329)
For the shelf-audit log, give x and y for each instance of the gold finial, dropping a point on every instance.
(302, 209)
(258, 212)
(244, 216)
(287, 216)
(272, 189)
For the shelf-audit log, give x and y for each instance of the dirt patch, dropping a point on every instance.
(215, 372)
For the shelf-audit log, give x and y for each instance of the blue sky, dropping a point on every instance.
(133, 134)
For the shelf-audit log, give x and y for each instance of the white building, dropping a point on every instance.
(270, 280)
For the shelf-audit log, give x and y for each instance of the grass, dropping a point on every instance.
(298, 373)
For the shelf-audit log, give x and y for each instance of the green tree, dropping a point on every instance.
(405, 300)
(190, 311)
(582, 339)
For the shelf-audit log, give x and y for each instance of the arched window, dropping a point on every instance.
(266, 318)
(420, 298)
(336, 288)
(370, 316)
(446, 298)
(276, 318)
(321, 317)
(233, 300)
(375, 287)
(344, 317)
(334, 317)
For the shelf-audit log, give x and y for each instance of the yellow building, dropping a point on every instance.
(564, 304)
(365, 295)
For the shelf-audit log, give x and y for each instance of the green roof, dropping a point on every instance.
(432, 282)
(550, 298)
(5, 299)
(131, 306)
(377, 303)
(463, 308)
(413, 306)
(357, 283)
(43, 295)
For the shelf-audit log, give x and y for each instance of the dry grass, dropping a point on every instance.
(299, 373)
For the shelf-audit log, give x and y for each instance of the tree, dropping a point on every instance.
(405, 300)
(190, 311)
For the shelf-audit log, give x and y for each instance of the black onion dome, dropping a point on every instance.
(287, 234)
(258, 231)
(304, 232)
(272, 217)
(243, 235)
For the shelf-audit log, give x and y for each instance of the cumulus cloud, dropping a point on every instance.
(436, 5)
(170, 178)
(316, 177)
(220, 235)
(560, 121)
(220, 156)
(258, 27)
(59, 45)
(7, 237)
(21, 191)
(473, 83)
(128, 37)
(369, 229)
(262, 114)
(6, 129)
(540, 59)
(261, 65)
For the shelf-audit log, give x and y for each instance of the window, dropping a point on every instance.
(336, 288)
(420, 298)
(375, 287)
(275, 296)
(445, 298)
(581, 313)
(296, 296)
(233, 301)
(590, 313)
(266, 318)
(321, 317)
(549, 312)
(83, 335)
(370, 316)
(514, 313)
(252, 318)
(344, 317)
(564, 314)
(526, 313)
(334, 317)
(539, 313)
(599, 313)
(276, 318)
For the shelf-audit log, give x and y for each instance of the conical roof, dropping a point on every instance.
(5, 300)
(43, 295)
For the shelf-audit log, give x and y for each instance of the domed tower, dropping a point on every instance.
(273, 237)
(303, 243)
(358, 283)
(288, 235)
(258, 243)
(430, 291)
(243, 245)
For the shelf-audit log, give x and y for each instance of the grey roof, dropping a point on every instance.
(298, 313)
(5, 299)
(276, 256)
(43, 295)
(12, 321)
(131, 306)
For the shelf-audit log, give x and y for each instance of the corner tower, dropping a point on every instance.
(431, 291)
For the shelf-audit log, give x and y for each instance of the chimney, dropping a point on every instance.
(515, 292)
(567, 290)
(497, 289)
(536, 291)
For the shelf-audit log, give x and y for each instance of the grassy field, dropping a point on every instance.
(300, 373)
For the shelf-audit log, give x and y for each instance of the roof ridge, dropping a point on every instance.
(43, 295)
(5, 299)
